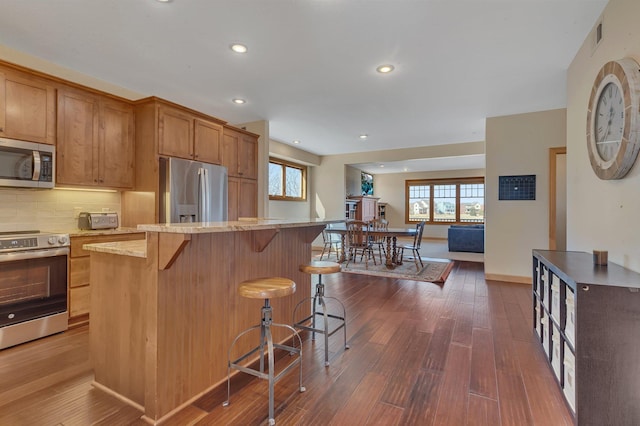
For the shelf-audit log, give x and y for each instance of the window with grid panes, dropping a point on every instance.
(445, 200)
(287, 181)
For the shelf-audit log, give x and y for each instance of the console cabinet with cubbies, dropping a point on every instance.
(587, 319)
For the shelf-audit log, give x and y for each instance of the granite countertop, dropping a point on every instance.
(133, 248)
(240, 225)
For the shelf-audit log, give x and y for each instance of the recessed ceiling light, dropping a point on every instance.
(239, 48)
(363, 136)
(163, 1)
(239, 101)
(384, 69)
(296, 142)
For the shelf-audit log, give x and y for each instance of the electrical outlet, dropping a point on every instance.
(77, 211)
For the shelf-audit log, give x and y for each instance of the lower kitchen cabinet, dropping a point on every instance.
(79, 288)
(587, 320)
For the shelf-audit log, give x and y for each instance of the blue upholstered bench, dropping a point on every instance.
(468, 238)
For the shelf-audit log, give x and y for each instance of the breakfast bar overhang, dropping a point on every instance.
(164, 310)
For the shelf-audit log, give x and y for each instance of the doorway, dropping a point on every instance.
(558, 198)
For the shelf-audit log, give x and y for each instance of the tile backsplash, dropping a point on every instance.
(51, 209)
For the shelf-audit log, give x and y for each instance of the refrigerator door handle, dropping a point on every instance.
(203, 199)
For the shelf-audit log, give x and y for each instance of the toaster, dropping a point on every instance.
(101, 220)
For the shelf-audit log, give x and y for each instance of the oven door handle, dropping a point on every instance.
(33, 254)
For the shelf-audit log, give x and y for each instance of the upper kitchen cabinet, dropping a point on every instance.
(185, 135)
(95, 145)
(27, 107)
(240, 153)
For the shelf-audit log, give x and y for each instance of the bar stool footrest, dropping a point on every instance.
(301, 324)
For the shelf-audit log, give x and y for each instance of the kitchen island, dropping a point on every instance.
(164, 310)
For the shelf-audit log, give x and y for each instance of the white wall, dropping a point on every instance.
(518, 145)
(602, 215)
(353, 181)
(292, 209)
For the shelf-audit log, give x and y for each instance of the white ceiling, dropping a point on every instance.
(310, 69)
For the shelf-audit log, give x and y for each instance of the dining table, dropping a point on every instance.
(391, 235)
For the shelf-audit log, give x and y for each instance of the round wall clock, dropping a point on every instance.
(613, 119)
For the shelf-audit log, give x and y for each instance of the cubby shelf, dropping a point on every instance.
(587, 319)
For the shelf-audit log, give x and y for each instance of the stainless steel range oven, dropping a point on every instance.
(33, 285)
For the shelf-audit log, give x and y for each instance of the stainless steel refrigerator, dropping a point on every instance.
(191, 191)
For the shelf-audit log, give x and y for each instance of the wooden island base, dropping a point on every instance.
(164, 314)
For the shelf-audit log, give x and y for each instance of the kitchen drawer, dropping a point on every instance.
(80, 299)
(78, 242)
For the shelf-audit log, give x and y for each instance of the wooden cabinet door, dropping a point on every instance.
(369, 209)
(77, 146)
(233, 198)
(248, 198)
(242, 198)
(175, 133)
(230, 142)
(116, 147)
(207, 141)
(27, 108)
(248, 157)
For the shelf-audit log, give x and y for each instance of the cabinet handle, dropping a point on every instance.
(585, 288)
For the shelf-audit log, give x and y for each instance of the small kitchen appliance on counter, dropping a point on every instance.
(101, 220)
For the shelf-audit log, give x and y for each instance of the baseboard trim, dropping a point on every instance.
(509, 278)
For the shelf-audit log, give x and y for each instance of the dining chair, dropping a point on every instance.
(331, 242)
(358, 241)
(379, 240)
(415, 247)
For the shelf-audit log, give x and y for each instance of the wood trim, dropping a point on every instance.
(553, 153)
(70, 84)
(117, 396)
(78, 320)
(61, 81)
(261, 239)
(509, 278)
(169, 247)
(159, 101)
(241, 130)
(310, 234)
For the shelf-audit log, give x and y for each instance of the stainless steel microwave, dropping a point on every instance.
(26, 164)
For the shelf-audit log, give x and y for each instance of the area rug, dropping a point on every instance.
(434, 270)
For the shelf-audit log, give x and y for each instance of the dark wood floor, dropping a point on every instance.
(421, 354)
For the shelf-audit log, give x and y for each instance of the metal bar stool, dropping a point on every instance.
(321, 267)
(266, 288)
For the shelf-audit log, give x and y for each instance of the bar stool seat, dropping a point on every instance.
(266, 288)
(321, 267)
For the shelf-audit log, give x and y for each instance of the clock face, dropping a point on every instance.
(613, 119)
(609, 121)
